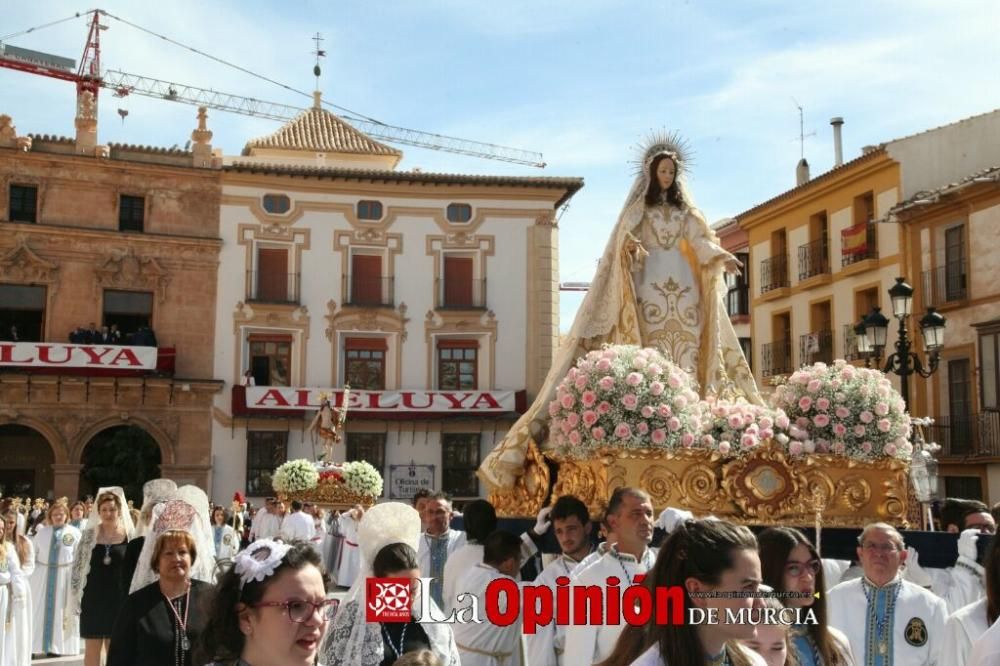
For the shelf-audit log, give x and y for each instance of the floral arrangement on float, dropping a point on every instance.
(833, 442)
(625, 397)
(846, 411)
(329, 484)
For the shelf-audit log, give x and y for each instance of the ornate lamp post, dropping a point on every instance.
(903, 362)
(924, 470)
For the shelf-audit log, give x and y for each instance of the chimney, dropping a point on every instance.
(201, 149)
(802, 172)
(838, 144)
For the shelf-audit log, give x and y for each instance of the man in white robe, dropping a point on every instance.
(630, 516)
(298, 525)
(959, 585)
(571, 524)
(963, 628)
(350, 556)
(986, 650)
(438, 543)
(902, 624)
(267, 523)
(487, 644)
(55, 548)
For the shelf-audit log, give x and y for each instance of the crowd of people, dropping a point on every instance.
(143, 336)
(178, 581)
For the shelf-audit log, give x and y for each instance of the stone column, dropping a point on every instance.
(542, 331)
(66, 481)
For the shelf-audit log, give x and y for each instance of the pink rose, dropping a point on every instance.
(805, 402)
(866, 416)
(782, 421)
(571, 375)
(674, 381)
(734, 421)
(884, 425)
(639, 362)
(866, 447)
(654, 370)
(656, 388)
(766, 422)
(642, 427)
(814, 385)
(822, 446)
(842, 412)
(890, 449)
(568, 401)
(859, 431)
(803, 422)
(797, 432)
(795, 448)
(581, 382)
(606, 383)
(623, 431)
(604, 407)
(633, 379)
(766, 433)
(553, 408)
(574, 438)
(687, 439)
(630, 401)
(839, 448)
(589, 398)
(659, 436)
(589, 418)
(748, 441)
(664, 411)
(707, 440)
(674, 424)
(604, 365)
(647, 411)
(839, 429)
(822, 404)
(724, 448)
(598, 433)
(881, 409)
(573, 419)
(680, 402)
(821, 420)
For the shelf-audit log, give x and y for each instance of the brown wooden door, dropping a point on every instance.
(366, 279)
(272, 275)
(458, 282)
(954, 247)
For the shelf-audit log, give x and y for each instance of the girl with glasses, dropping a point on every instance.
(270, 609)
(791, 565)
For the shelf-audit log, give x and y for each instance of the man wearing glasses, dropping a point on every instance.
(902, 624)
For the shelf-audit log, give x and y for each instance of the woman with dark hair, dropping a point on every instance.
(387, 536)
(702, 557)
(270, 609)
(969, 623)
(792, 565)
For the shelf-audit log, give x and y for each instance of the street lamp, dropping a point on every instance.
(903, 362)
(924, 469)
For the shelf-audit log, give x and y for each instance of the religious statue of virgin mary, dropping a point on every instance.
(660, 283)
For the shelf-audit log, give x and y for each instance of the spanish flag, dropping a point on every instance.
(854, 240)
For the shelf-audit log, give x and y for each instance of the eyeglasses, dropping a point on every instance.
(300, 610)
(887, 548)
(984, 528)
(800, 569)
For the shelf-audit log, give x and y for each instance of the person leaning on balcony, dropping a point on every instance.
(703, 557)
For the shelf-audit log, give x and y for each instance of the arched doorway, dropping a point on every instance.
(125, 456)
(25, 462)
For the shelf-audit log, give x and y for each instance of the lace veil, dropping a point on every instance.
(350, 639)
(81, 565)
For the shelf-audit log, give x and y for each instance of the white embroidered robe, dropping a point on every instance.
(55, 549)
(485, 644)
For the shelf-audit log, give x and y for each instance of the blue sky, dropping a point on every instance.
(582, 81)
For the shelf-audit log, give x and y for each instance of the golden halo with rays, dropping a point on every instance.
(664, 141)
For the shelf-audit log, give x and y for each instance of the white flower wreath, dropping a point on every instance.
(259, 560)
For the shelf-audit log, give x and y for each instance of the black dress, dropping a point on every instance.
(147, 631)
(104, 593)
(411, 635)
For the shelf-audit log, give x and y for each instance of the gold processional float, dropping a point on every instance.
(834, 446)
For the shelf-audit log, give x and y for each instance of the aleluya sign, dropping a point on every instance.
(59, 355)
(484, 402)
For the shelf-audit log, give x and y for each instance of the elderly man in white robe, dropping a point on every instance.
(571, 524)
(902, 624)
(438, 542)
(486, 644)
(630, 516)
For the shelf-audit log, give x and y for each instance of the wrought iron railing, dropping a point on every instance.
(814, 258)
(776, 358)
(270, 288)
(870, 250)
(774, 273)
(945, 284)
(465, 294)
(368, 291)
(816, 347)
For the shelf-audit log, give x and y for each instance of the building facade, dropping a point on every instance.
(825, 253)
(736, 241)
(338, 269)
(92, 236)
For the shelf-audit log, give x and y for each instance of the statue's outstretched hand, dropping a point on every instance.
(733, 265)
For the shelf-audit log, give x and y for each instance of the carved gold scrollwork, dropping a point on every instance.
(699, 486)
(584, 481)
(762, 484)
(528, 495)
(853, 491)
(818, 485)
(660, 483)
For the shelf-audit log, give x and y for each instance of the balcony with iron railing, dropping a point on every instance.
(272, 288)
(776, 358)
(945, 284)
(774, 273)
(816, 347)
(814, 259)
(957, 436)
(371, 292)
(460, 294)
(852, 253)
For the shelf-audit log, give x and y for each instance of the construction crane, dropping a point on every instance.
(89, 77)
